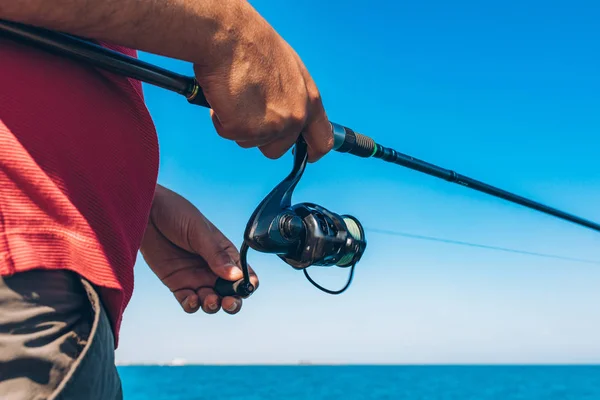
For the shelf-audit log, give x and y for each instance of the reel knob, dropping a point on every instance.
(239, 288)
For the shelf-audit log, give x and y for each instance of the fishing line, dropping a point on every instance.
(483, 246)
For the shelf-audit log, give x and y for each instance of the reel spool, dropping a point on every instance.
(302, 235)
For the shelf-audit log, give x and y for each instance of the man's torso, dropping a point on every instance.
(78, 167)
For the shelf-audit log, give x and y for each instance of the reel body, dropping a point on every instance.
(323, 238)
(302, 235)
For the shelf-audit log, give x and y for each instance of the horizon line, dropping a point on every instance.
(310, 364)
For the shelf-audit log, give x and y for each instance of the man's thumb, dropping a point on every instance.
(223, 265)
(206, 240)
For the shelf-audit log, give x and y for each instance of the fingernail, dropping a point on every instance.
(235, 270)
(229, 264)
(212, 306)
(233, 307)
(191, 303)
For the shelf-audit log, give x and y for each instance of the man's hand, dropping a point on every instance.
(187, 253)
(259, 89)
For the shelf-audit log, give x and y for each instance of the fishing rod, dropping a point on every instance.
(304, 234)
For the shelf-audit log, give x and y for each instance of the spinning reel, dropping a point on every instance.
(302, 235)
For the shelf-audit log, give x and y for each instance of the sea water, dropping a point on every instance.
(360, 382)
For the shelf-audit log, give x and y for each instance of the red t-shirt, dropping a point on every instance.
(78, 169)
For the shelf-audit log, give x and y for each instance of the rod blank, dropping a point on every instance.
(407, 161)
(101, 57)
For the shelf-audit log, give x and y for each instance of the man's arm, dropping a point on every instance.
(260, 91)
(182, 29)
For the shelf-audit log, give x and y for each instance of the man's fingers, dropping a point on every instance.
(205, 297)
(278, 147)
(317, 133)
(231, 305)
(195, 274)
(240, 133)
(319, 138)
(211, 303)
(188, 300)
(208, 300)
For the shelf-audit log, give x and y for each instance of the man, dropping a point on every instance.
(78, 169)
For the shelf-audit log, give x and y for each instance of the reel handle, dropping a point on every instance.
(239, 288)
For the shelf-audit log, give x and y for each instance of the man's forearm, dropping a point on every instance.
(260, 92)
(182, 29)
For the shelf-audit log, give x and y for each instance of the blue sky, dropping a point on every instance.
(503, 92)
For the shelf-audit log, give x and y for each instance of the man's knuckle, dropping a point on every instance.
(245, 145)
(316, 98)
(327, 145)
(314, 95)
(297, 119)
(270, 153)
(272, 126)
(228, 131)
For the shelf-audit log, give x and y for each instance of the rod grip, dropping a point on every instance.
(351, 142)
(365, 146)
(239, 288)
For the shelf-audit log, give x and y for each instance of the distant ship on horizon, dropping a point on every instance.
(177, 362)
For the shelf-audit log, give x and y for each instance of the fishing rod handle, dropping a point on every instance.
(345, 140)
(91, 52)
